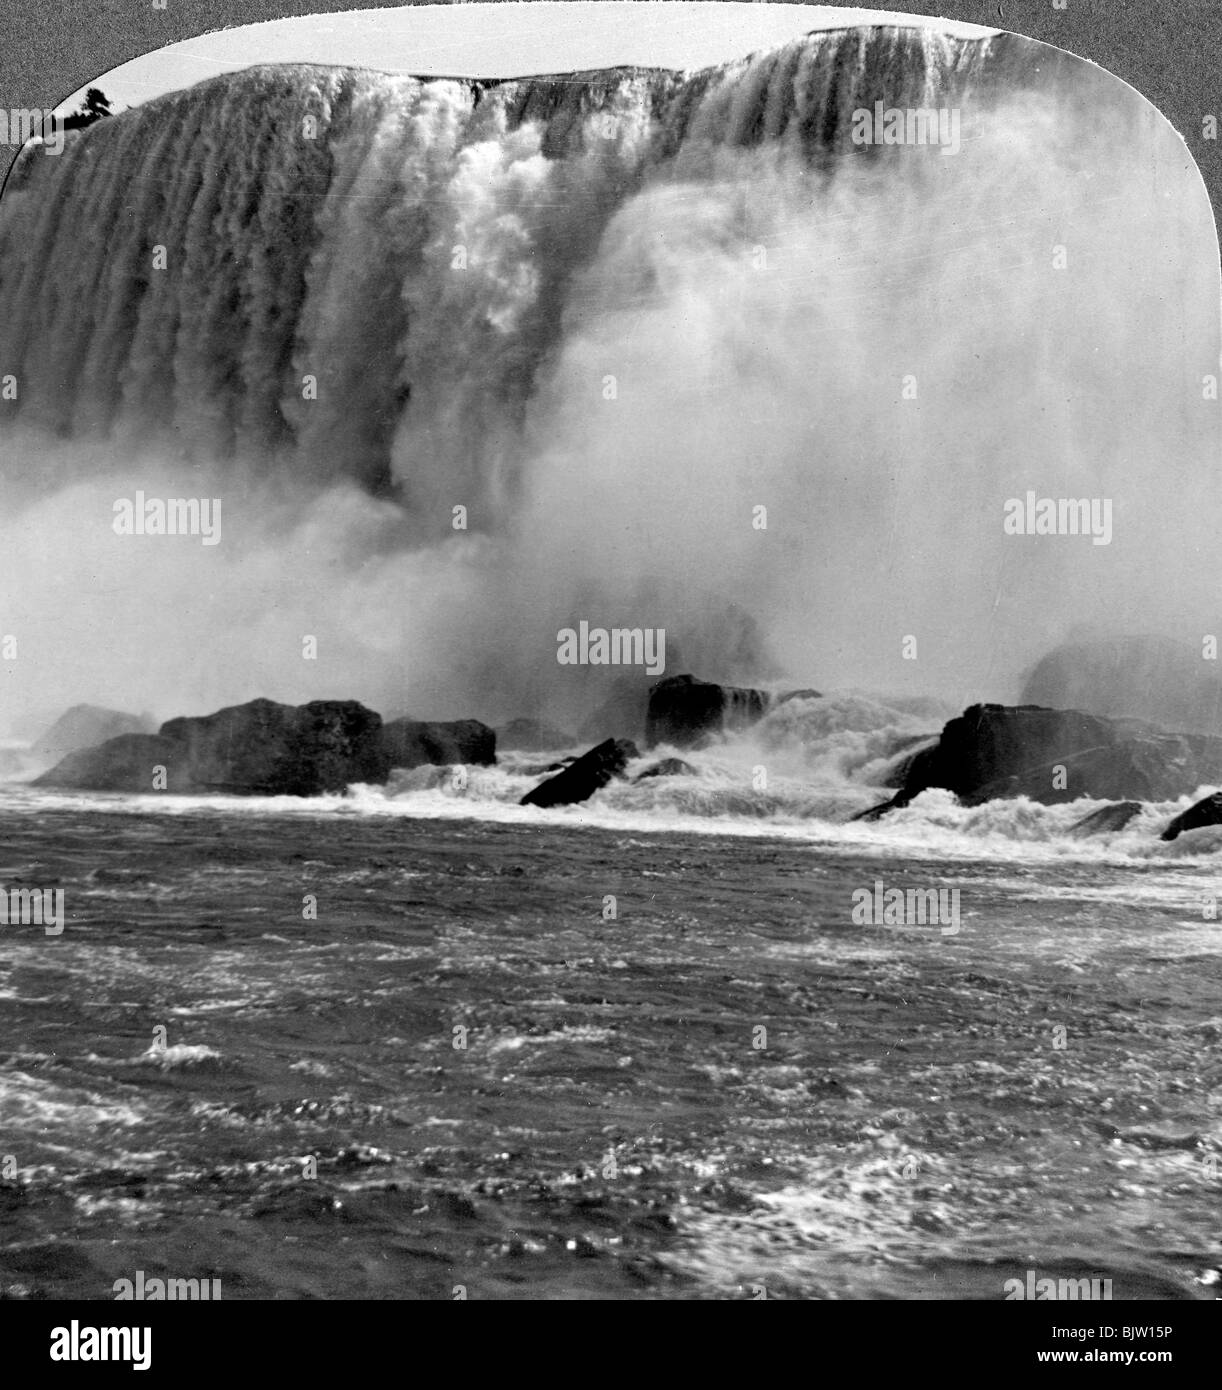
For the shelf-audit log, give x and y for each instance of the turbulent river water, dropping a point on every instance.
(924, 1115)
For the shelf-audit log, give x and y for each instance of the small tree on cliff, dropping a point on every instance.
(95, 106)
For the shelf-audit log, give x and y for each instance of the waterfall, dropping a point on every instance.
(472, 361)
(407, 244)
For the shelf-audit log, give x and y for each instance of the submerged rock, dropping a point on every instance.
(582, 778)
(668, 767)
(1053, 756)
(1206, 812)
(532, 736)
(409, 743)
(85, 726)
(683, 710)
(1105, 818)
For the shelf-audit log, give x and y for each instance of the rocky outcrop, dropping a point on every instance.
(684, 710)
(260, 748)
(1151, 678)
(269, 749)
(1207, 812)
(532, 736)
(1053, 756)
(409, 743)
(1105, 819)
(85, 726)
(667, 767)
(130, 763)
(582, 778)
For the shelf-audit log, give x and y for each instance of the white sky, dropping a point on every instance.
(503, 40)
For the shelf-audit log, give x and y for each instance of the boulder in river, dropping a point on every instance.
(1053, 756)
(412, 743)
(1104, 819)
(1206, 812)
(582, 778)
(683, 710)
(269, 749)
(259, 748)
(667, 767)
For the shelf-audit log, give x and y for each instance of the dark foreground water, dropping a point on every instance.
(910, 1125)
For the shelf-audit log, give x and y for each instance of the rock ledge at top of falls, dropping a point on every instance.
(263, 748)
(684, 710)
(586, 775)
(1054, 756)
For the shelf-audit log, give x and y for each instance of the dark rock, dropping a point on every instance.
(268, 749)
(1151, 678)
(993, 751)
(683, 710)
(124, 764)
(904, 752)
(1106, 818)
(581, 779)
(532, 736)
(85, 726)
(668, 767)
(411, 743)
(1207, 812)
